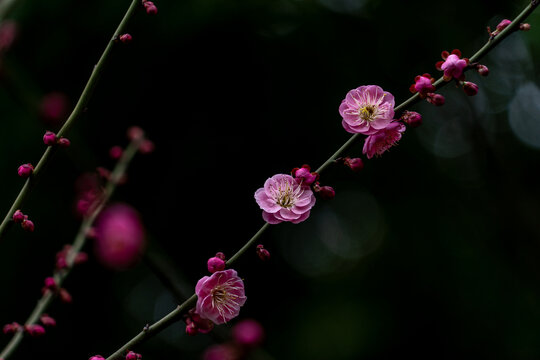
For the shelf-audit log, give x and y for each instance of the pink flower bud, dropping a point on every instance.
(65, 296)
(12, 328)
(412, 118)
(115, 152)
(355, 164)
(435, 99)
(151, 9)
(502, 25)
(221, 255)
(191, 329)
(97, 357)
(50, 283)
(133, 356)
(215, 264)
(49, 138)
(81, 258)
(25, 170)
(47, 320)
(135, 133)
(125, 38)
(248, 333)
(304, 175)
(146, 147)
(28, 225)
(64, 142)
(325, 192)
(470, 88)
(263, 254)
(34, 330)
(18, 216)
(482, 70)
(525, 27)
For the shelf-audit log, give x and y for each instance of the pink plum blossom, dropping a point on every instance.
(367, 109)
(248, 333)
(220, 296)
(452, 66)
(378, 143)
(423, 84)
(120, 237)
(283, 198)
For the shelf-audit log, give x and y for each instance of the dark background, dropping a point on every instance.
(432, 251)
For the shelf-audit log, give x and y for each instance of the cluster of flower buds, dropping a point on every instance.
(61, 258)
(454, 67)
(216, 263)
(150, 7)
(34, 330)
(305, 176)
(20, 218)
(51, 139)
(195, 324)
(50, 285)
(503, 25)
(132, 355)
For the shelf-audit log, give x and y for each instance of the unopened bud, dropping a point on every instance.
(64, 142)
(25, 170)
(482, 70)
(28, 225)
(12, 328)
(412, 118)
(470, 88)
(325, 192)
(34, 330)
(525, 27)
(46, 320)
(263, 254)
(126, 38)
(65, 296)
(435, 99)
(355, 164)
(215, 264)
(18, 216)
(49, 138)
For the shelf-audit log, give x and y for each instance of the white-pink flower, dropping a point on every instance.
(220, 296)
(367, 109)
(285, 199)
(378, 143)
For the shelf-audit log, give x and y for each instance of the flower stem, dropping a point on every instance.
(186, 305)
(78, 243)
(78, 110)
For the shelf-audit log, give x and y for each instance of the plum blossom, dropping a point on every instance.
(423, 84)
(452, 66)
(367, 109)
(283, 198)
(220, 296)
(378, 143)
(120, 237)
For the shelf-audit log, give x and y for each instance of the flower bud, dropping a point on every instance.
(125, 38)
(12, 328)
(305, 175)
(263, 254)
(146, 147)
(325, 192)
(412, 118)
(482, 70)
(28, 225)
(502, 25)
(525, 27)
(65, 296)
(133, 356)
(25, 170)
(49, 138)
(115, 152)
(97, 357)
(34, 330)
(151, 9)
(191, 329)
(355, 164)
(47, 320)
(470, 88)
(18, 216)
(215, 264)
(135, 133)
(64, 142)
(435, 99)
(50, 283)
(221, 255)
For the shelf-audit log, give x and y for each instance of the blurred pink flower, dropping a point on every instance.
(53, 107)
(8, 32)
(221, 352)
(284, 199)
(383, 140)
(120, 237)
(220, 296)
(248, 333)
(367, 109)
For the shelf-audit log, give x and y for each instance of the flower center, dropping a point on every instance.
(286, 195)
(368, 112)
(223, 299)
